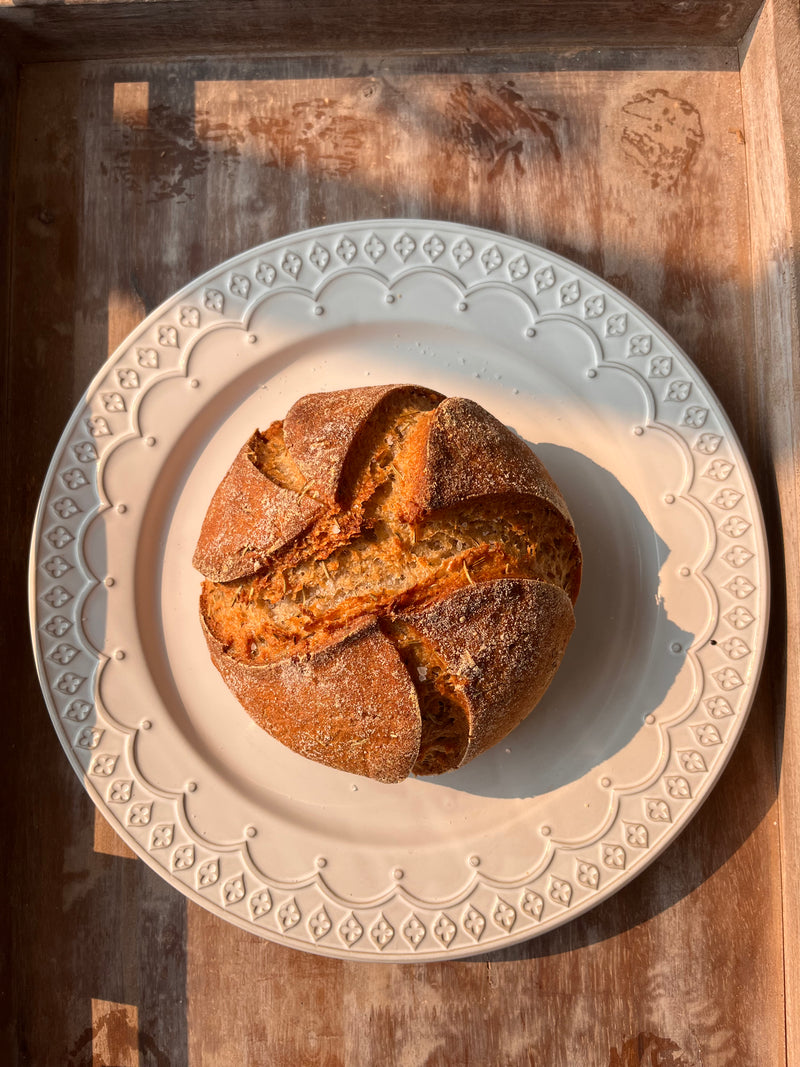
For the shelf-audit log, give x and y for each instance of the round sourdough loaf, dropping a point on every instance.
(389, 580)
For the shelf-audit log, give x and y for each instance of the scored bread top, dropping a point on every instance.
(248, 519)
(321, 430)
(389, 580)
(462, 453)
(468, 453)
(502, 642)
(351, 704)
(253, 515)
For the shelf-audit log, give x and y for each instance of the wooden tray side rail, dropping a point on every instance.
(50, 29)
(770, 73)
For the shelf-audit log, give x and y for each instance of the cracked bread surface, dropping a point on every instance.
(390, 579)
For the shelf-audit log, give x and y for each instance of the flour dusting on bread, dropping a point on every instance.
(390, 578)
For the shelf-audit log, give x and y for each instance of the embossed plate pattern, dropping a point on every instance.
(657, 681)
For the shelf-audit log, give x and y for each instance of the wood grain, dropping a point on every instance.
(108, 841)
(79, 925)
(115, 1034)
(770, 68)
(50, 29)
(132, 177)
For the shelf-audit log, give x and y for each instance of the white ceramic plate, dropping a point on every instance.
(656, 683)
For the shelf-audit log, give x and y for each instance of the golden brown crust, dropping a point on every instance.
(249, 518)
(321, 429)
(349, 705)
(391, 579)
(463, 453)
(468, 453)
(502, 643)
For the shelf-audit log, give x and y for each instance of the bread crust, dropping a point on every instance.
(465, 454)
(249, 518)
(502, 643)
(347, 694)
(349, 705)
(321, 429)
(468, 453)
(352, 704)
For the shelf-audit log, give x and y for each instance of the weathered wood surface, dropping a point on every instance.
(8, 122)
(133, 177)
(770, 76)
(50, 29)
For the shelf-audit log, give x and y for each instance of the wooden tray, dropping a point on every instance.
(142, 143)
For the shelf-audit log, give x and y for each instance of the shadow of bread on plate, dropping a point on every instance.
(389, 580)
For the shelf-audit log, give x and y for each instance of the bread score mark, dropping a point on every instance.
(387, 568)
(501, 643)
(390, 548)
